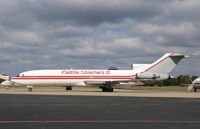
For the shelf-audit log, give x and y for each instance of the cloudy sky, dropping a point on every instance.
(95, 34)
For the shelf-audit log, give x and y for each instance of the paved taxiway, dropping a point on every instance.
(55, 112)
(83, 91)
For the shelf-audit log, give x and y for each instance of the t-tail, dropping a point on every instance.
(161, 68)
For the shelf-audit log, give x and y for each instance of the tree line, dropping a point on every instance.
(182, 80)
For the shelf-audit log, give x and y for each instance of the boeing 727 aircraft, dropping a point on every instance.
(105, 79)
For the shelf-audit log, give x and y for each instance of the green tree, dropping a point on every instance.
(183, 79)
(193, 77)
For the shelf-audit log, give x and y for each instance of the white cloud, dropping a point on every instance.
(183, 6)
(5, 45)
(25, 37)
(39, 34)
(184, 28)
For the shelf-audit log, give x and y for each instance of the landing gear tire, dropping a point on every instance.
(104, 89)
(195, 90)
(68, 88)
(110, 90)
(107, 89)
(30, 88)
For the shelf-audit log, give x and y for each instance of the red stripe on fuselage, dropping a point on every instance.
(71, 77)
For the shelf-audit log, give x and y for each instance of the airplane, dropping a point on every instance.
(105, 79)
(195, 85)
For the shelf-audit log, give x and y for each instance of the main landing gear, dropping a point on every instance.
(30, 88)
(68, 88)
(106, 87)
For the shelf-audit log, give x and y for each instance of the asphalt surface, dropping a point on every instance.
(97, 112)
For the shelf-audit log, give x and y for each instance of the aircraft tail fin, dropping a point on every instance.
(165, 64)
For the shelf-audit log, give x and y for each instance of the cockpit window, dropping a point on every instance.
(20, 75)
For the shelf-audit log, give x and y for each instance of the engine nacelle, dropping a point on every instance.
(7, 83)
(165, 77)
(147, 76)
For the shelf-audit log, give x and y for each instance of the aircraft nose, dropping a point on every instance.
(7, 83)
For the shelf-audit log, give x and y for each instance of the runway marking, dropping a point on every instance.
(103, 121)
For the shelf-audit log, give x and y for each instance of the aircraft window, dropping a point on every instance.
(20, 75)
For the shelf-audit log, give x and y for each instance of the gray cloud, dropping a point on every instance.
(43, 34)
(93, 12)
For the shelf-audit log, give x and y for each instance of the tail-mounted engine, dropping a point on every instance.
(147, 76)
(153, 76)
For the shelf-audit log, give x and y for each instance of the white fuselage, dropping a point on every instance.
(71, 77)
